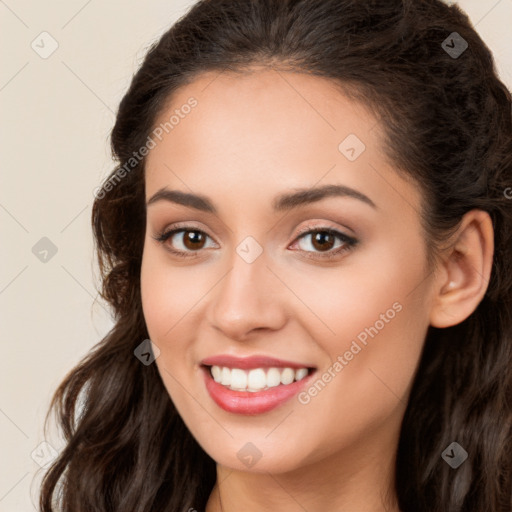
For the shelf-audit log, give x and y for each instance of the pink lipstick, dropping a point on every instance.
(253, 385)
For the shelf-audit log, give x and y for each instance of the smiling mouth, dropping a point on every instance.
(256, 379)
(255, 390)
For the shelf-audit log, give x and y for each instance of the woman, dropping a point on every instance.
(307, 247)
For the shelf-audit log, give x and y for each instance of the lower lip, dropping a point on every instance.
(247, 402)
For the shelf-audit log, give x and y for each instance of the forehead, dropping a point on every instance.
(266, 131)
(267, 102)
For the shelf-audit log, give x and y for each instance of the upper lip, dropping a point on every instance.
(247, 363)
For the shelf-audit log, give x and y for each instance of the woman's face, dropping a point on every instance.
(252, 283)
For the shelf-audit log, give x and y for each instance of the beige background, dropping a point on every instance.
(57, 113)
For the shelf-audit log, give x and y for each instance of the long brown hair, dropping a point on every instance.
(448, 125)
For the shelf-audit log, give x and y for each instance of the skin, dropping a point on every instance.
(250, 138)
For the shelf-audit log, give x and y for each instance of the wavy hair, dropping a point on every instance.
(448, 126)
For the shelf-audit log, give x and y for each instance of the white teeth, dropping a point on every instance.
(273, 377)
(238, 379)
(256, 379)
(300, 374)
(225, 376)
(287, 376)
(216, 373)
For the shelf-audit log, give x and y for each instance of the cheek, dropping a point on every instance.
(367, 383)
(173, 299)
(371, 318)
(168, 294)
(157, 301)
(362, 295)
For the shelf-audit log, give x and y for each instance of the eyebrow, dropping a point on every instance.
(281, 203)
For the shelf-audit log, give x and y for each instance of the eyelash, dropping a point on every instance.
(349, 242)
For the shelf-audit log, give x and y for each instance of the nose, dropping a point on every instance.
(248, 298)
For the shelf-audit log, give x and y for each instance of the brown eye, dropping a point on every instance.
(193, 240)
(324, 243)
(323, 240)
(184, 241)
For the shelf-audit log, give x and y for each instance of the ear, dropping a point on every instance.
(464, 270)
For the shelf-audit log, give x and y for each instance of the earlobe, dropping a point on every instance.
(466, 265)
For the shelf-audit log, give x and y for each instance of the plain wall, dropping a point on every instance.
(57, 112)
